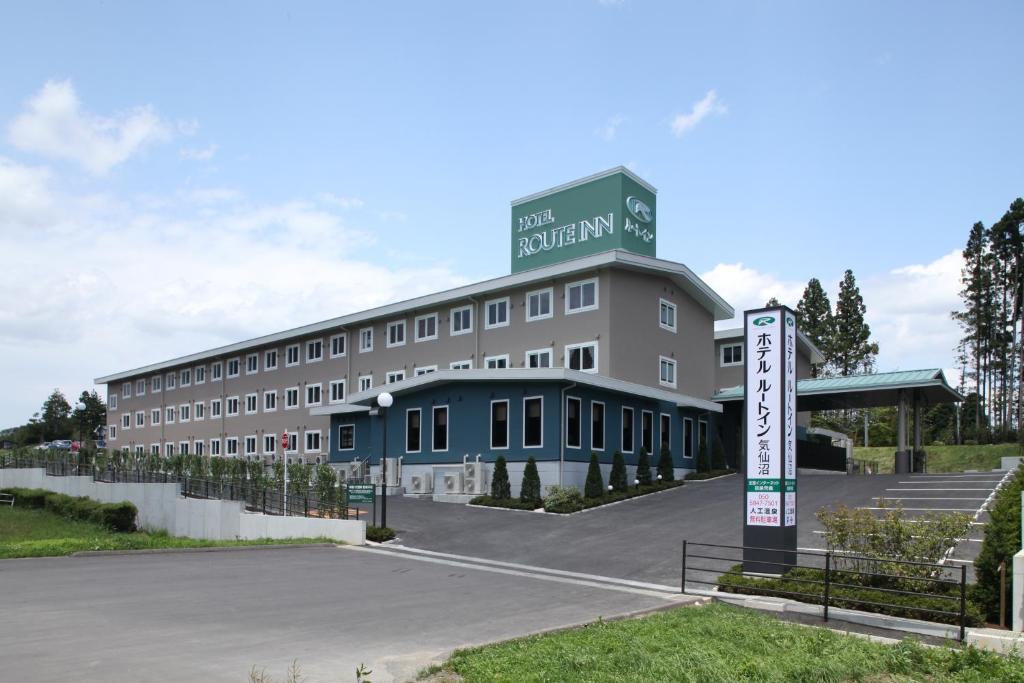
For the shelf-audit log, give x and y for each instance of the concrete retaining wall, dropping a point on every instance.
(161, 507)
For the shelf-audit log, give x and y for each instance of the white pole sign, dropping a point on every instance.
(789, 399)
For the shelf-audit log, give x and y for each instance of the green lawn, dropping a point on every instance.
(943, 458)
(38, 533)
(722, 644)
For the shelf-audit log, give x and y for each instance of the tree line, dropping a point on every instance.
(57, 419)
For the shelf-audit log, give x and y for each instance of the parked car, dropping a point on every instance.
(44, 446)
(61, 444)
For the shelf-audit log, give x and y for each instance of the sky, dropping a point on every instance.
(176, 176)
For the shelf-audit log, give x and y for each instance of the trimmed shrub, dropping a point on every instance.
(617, 478)
(509, 503)
(563, 499)
(665, 467)
(594, 488)
(378, 534)
(718, 455)
(28, 498)
(611, 497)
(1002, 541)
(501, 489)
(114, 516)
(643, 468)
(529, 492)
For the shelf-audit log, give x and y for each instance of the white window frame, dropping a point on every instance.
(721, 355)
(604, 426)
(198, 411)
(199, 447)
(353, 428)
(139, 449)
(424, 370)
(268, 394)
(170, 381)
(670, 362)
(312, 344)
(216, 371)
(112, 432)
(140, 418)
(112, 401)
(487, 312)
(452, 314)
(126, 390)
(541, 399)
(231, 446)
(215, 449)
(183, 447)
(216, 408)
(365, 382)
(252, 398)
(155, 416)
(288, 354)
(363, 347)
(319, 388)
(330, 391)
(319, 441)
(550, 291)
(197, 371)
(185, 377)
(343, 337)
(571, 347)
(665, 303)
(461, 365)
(447, 429)
(503, 357)
(169, 414)
(255, 444)
(508, 424)
(237, 361)
(298, 398)
(394, 376)
(227, 408)
(267, 355)
(408, 412)
(156, 383)
(271, 438)
(416, 331)
(140, 387)
(154, 449)
(168, 449)
(254, 360)
(293, 443)
(394, 325)
(583, 308)
(537, 352)
(185, 412)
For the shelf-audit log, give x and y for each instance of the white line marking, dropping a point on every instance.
(923, 509)
(939, 490)
(926, 498)
(951, 481)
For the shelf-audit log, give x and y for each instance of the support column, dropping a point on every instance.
(917, 464)
(902, 454)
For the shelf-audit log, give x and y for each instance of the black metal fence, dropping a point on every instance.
(926, 591)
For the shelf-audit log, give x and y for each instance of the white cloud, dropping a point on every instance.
(708, 105)
(340, 201)
(54, 124)
(610, 128)
(746, 288)
(199, 153)
(25, 198)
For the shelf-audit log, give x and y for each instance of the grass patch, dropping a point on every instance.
(39, 533)
(723, 644)
(943, 458)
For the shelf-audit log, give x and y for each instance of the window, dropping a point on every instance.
(499, 424)
(269, 444)
(582, 357)
(365, 382)
(184, 412)
(250, 445)
(154, 416)
(596, 425)
(687, 437)
(538, 304)
(533, 422)
(154, 449)
(312, 441)
(140, 387)
(497, 313)
(232, 406)
(233, 367)
(338, 345)
(252, 364)
(394, 376)
(665, 431)
(315, 352)
(215, 447)
(396, 333)
(425, 370)
(337, 390)
(461, 320)
(412, 430)
(627, 430)
(200, 411)
(113, 402)
(269, 401)
(667, 315)
(231, 445)
(270, 360)
(291, 356)
(139, 450)
(169, 415)
(573, 422)
(581, 296)
(170, 382)
(186, 378)
(440, 428)
(346, 438)
(199, 373)
(156, 383)
(539, 358)
(366, 340)
(183, 447)
(666, 372)
(215, 407)
(198, 445)
(251, 404)
(497, 362)
(461, 365)
(293, 442)
(140, 418)
(647, 431)
(291, 398)
(313, 394)
(112, 432)
(216, 372)
(732, 354)
(426, 327)
(126, 390)
(169, 449)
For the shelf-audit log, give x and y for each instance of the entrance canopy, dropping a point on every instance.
(863, 391)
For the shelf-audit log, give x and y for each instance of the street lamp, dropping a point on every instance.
(80, 407)
(384, 401)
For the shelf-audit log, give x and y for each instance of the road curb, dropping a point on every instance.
(210, 549)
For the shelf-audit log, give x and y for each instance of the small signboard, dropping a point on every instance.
(361, 493)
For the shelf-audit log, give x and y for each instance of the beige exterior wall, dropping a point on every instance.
(732, 375)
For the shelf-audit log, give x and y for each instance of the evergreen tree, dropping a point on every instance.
(501, 489)
(529, 491)
(852, 350)
(772, 303)
(665, 466)
(594, 488)
(56, 416)
(617, 478)
(643, 468)
(976, 279)
(91, 416)
(718, 455)
(814, 319)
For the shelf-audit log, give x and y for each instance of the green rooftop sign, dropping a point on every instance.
(610, 210)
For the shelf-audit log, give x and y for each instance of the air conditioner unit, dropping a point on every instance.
(453, 482)
(423, 483)
(357, 470)
(475, 475)
(394, 466)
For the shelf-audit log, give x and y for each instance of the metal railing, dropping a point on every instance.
(834, 580)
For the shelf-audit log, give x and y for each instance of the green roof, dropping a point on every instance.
(862, 391)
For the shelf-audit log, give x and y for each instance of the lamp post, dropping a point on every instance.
(80, 408)
(384, 401)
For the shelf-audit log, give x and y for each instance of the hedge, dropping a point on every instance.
(379, 534)
(114, 516)
(510, 503)
(1001, 543)
(616, 496)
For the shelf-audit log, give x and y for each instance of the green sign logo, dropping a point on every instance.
(789, 322)
(640, 211)
(764, 320)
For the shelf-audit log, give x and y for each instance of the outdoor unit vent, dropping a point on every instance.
(302, 461)
(475, 478)
(422, 483)
(357, 469)
(453, 482)
(342, 475)
(319, 460)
